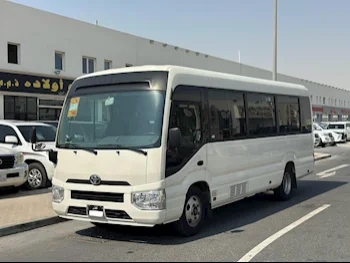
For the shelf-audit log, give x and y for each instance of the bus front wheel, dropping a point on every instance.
(192, 219)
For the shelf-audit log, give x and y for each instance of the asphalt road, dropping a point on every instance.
(233, 232)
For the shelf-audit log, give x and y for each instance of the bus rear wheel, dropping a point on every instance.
(192, 219)
(284, 192)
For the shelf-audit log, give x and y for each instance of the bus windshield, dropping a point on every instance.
(114, 120)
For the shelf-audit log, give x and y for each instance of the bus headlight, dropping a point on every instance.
(153, 200)
(57, 194)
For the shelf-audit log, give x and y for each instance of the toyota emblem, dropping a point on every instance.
(95, 179)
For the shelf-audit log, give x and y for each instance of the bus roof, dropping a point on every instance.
(211, 78)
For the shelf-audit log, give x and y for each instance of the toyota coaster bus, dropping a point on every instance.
(152, 145)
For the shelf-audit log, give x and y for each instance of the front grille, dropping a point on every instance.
(98, 196)
(116, 214)
(82, 211)
(111, 183)
(7, 162)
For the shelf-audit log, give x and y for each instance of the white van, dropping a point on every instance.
(13, 169)
(154, 145)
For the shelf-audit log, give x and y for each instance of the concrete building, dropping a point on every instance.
(42, 53)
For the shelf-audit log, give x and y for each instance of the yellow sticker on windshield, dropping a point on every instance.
(73, 107)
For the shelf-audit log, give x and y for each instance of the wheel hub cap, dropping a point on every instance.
(287, 183)
(35, 178)
(193, 211)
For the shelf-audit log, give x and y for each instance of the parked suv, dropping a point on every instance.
(342, 128)
(17, 135)
(13, 169)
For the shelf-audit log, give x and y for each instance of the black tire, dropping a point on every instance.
(36, 167)
(197, 202)
(284, 192)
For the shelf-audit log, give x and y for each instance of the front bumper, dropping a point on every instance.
(16, 176)
(118, 213)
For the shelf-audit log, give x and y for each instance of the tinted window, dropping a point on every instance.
(20, 108)
(288, 112)
(237, 112)
(12, 53)
(261, 114)
(58, 61)
(186, 114)
(336, 126)
(48, 114)
(220, 115)
(44, 133)
(6, 131)
(306, 118)
(51, 102)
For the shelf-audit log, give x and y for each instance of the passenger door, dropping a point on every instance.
(186, 163)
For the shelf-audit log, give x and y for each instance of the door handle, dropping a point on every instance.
(200, 163)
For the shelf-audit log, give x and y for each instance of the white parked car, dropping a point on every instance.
(335, 137)
(322, 137)
(341, 128)
(17, 135)
(13, 169)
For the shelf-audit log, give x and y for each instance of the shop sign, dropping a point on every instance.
(34, 84)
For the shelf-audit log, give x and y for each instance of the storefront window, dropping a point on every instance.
(20, 108)
(48, 114)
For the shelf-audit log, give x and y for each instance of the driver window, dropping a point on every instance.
(186, 114)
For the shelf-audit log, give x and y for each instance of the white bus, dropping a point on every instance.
(153, 145)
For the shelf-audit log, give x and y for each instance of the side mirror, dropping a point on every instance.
(53, 156)
(33, 140)
(9, 139)
(175, 137)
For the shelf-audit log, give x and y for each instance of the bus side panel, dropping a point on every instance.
(267, 161)
(305, 156)
(228, 168)
(269, 157)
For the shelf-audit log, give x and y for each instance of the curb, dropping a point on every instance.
(323, 157)
(6, 231)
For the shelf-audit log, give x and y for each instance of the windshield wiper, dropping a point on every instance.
(119, 147)
(134, 150)
(76, 147)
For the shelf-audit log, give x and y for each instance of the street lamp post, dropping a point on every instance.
(274, 75)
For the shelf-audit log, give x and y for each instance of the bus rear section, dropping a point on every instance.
(155, 145)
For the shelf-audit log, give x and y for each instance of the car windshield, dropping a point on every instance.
(43, 133)
(324, 125)
(114, 120)
(317, 127)
(336, 126)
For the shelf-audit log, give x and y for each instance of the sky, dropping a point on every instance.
(313, 35)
